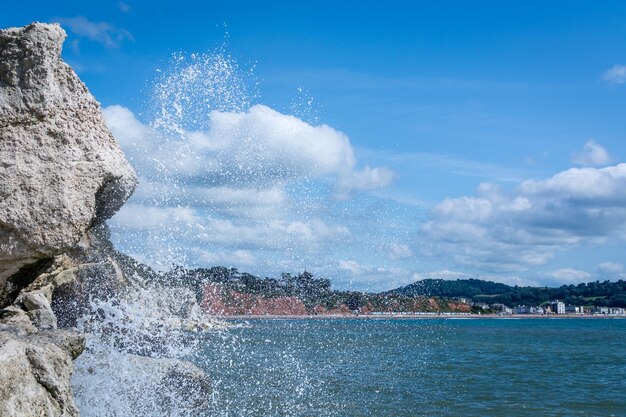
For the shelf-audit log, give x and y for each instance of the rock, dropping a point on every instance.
(15, 320)
(36, 367)
(70, 340)
(62, 171)
(62, 174)
(43, 319)
(151, 386)
(35, 301)
(37, 305)
(185, 383)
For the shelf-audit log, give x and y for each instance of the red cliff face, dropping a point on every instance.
(218, 300)
(221, 301)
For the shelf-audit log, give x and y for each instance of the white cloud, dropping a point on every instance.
(266, 203)
(397, 250)
(352, 267)
(101, 32)
(365, 179)
(611, 268)
(615, 74)
(372, 278)
(592, 154)
(512, 231)
(192, 227)
(569, 276)
(259, 146)
(444, 274)
(235, 258)
(602, 186)
(231, 193)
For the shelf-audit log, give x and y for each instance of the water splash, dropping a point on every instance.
(305, 107)
(148, 347)
(138, 346)
(193, 86)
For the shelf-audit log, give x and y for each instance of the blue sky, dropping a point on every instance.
(383, 142)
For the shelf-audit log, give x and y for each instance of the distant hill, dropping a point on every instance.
(234, 292)
(604, 294)
(459, 288)
(226, 291)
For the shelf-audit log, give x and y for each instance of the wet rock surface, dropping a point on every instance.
(62, 173)
(36, 367)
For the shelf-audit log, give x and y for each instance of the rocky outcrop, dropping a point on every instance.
(152, 386)
(62, 174)
(36, 366)
(62, 171)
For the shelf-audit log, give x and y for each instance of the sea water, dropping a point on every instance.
(264, 368)
(418, 367)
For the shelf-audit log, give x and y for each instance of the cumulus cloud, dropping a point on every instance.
(615, 74)
(503, 231)
(592, 154)
(372, 278)
(569, 276)
(611, 268)
(397, 250)
(604, 186)
(192, 227)
(611, 271)
(365, 179)
(260, 146)
(211, 194)
(101, 32)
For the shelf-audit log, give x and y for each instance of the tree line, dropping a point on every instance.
(602, 294)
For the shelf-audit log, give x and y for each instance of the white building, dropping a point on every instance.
(558, 307)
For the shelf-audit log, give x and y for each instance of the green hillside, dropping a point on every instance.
(609, 294)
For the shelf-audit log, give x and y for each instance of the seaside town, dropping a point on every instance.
(554, 307)
(227, 292)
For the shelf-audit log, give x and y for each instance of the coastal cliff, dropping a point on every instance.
(62, 174)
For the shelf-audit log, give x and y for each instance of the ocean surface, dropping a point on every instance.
(419, 367)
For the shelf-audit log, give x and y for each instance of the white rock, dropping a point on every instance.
(61, 169)
(35, 368)
(35, 300)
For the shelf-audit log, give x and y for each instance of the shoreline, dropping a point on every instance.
(413, 316)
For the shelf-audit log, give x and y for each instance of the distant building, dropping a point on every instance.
(558, 307)
(484, 306)
(600, 310)
(501, 308)
(521, 310)
(569, 309)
